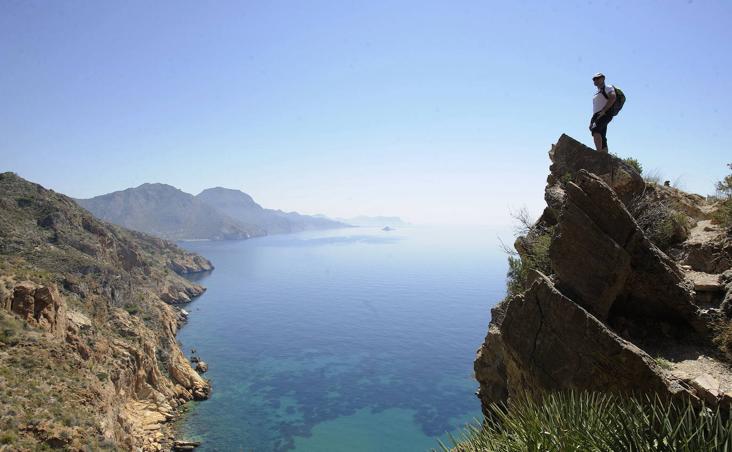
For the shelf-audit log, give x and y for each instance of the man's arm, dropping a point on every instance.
(610, 101)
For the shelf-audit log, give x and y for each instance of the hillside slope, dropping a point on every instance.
(88, 355)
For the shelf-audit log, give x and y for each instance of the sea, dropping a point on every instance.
(354, 339)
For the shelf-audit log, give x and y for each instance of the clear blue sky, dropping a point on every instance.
(435, 111)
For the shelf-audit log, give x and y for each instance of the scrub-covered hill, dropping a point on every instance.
(88, 356)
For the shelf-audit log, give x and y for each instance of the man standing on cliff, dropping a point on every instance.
(602, 101)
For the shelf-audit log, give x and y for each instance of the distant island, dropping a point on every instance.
(214, 214)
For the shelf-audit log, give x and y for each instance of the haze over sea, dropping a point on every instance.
(353, 339)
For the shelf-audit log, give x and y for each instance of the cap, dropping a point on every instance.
(598, 75)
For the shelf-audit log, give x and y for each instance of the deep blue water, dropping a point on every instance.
(346, 340)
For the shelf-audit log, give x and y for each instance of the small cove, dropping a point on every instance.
(351, 339)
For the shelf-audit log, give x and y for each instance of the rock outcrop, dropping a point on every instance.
(612, 303)
(549, 342)
(40, 306)
(569, 156)
(603, 260)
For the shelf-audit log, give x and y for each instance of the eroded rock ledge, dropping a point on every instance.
(612, 306)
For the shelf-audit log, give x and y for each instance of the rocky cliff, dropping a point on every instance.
(88, 355)
(620, 286)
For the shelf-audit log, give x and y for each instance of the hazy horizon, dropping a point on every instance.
(433, 112)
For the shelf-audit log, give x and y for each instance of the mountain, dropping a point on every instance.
(622, 286)
(88, 354)
(215, 214)
(167, 212)
(241, 207)
(378, 221)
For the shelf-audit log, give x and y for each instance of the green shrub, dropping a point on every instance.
(674, 228)
(535, 257)
(516, 275)
(723, 215)
(724, 187)
(635, 164)
(24, 202)
(70, 420)
(132, 309)
(661, 224)
(591, 421)
(535, 241)
(10, 329)
(723, 337)
(663, 363)
(7, 438)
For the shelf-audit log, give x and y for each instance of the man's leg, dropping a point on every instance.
(598, 141)
(603, 131)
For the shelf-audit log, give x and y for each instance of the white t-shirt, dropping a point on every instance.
(599, 101)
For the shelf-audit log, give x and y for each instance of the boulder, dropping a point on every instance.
(181, 446)
(705, 282)
(48, 310)
(707, 387)
(79, 320)
(708, 249)
(569, 156)
(41, 306)
(603, 261)
(201, 367)
(183, 374)
(23, 301)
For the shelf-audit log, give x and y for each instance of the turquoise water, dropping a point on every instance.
(348, 340)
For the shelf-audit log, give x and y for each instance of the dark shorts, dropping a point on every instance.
(600, 125)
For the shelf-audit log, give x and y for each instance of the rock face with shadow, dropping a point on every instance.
(610, 305)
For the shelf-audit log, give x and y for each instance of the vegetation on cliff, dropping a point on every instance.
(724, 188)
(593, 421)
(88, 356)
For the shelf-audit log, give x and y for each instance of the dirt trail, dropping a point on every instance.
(704, 231)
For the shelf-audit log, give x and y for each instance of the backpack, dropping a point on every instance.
(619, 101)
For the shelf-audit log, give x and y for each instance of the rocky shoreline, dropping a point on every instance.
(88, 318)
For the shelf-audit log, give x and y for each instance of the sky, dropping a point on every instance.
(438, 112)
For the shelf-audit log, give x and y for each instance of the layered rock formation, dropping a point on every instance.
(611, 311)
(88, 355)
